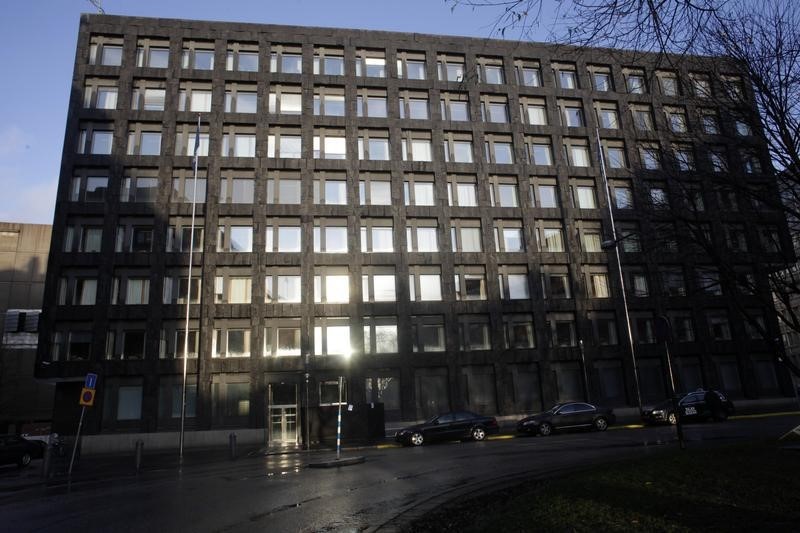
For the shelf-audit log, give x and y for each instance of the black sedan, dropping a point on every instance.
(14, 449)
(567, 416)
(692, 406)
(448, 426)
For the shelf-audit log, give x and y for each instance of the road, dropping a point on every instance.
(393, 485)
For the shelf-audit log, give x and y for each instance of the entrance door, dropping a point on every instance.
(282, 409)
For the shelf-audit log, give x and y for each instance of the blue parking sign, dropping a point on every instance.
(91, 381)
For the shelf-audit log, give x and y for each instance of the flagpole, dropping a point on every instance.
(188, 296)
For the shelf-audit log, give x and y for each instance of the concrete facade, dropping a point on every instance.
(525, 310)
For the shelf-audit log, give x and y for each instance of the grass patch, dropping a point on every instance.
(754, 487)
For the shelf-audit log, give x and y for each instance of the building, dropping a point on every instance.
(23, 261)
(421, 214)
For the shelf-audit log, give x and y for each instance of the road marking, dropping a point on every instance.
(765, 415)
(501, 437)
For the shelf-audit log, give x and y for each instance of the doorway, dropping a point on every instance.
(282, 414)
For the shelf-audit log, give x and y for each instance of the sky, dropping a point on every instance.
(38, 39)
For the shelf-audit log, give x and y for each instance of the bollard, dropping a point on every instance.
(139, 450)
(46, 460)
(232, 446)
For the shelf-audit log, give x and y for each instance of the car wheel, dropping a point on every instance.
(672, 419)
(25, 460)
(417, 439)
(600, 424)
(545, 429)
(478, 434)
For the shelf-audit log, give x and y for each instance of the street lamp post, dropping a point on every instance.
(308, 410)
(615, 243)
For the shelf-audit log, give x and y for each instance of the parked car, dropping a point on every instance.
(19, 450)
(448, 426)
(692, 406)
(567, 415)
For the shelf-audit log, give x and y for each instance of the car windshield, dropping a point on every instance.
(432, 419)
(554, 408)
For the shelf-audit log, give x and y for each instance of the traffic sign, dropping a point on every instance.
(91, 381)
(87, 397)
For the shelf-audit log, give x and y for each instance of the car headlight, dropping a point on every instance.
(658, 411)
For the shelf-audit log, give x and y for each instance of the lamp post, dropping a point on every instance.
(308, 410)
(614, 242)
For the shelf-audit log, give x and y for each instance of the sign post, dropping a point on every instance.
(86, 400)
(664, 334)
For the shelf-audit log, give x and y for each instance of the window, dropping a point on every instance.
(370, 63)
(129, 289)
(414, 105)
(137, 187)
(283, 285)
(375, 189)
(240, 98)
(607, 115)
(742, 128)
(142, 141)
(684, 158)
(148, 95)
(571, 113)
(416, 146)
(100, 94)
(373, 145)
(669, 83)
(634, 80)
(457, 147)
(376, 235)
(234, 236)
(332, 336)
(591, 237)
(465, 235)
(490, 70)
(185, 138)
(427, 333)
(240, 141)
(282, 337)
(650, 156)
(380, 334)
(173, 345)
(597, 282)
(77, 290)
(197, 55)
(718, 325)
(551, 239)
(183, 187)
(286, 58)
(378, 284)
(540, 151)
(519, 332)
(331, 285)
(604, 326)
(283, 187)
(450, 67)
(642, 117)
(751, 162)
(329, 101)
(100, 141)
(152, 53)
(329, 144)
(583, 195)
(470, 282)
(547, 195)
(194, 97)
(676, 118)
(566, 76)
(83, 236)
(330, 235)
(283, 235)
(528, 73)
(176, 286)
(424, 283)
(422, 235)
(242, 57)
(129, 398)
(630, 237)
(623, 195)
(561, 329)
(513, 282)
(503, 191)
(236, 190)
(601, 78)
(106, 51)
(615, 154)
(329, 61)
(419, 189)
(718, 159)
(134, 235)
(232, 286)
(330, 189)
(371, 103)
(88, 188)
(473, 333)
(708, 281)
(284, 143)
(709, 121)
(411, 65)
(534, 111)
(508, 236)
(682, 326)
(285, 100)
(577, 152)
(658, 198)
(701, 85)
(455, 106)
(499, 149)
(231, 340)
(643, 328)
(636, 280)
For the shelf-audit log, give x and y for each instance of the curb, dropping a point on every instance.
(335, 463)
